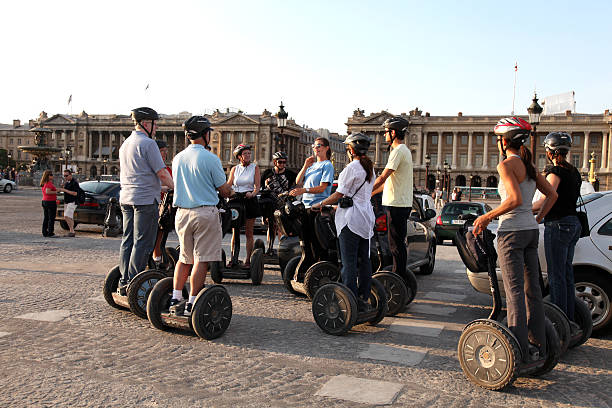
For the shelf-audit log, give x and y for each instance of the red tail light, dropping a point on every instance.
(439, 220)
(90, 204)
(381, 223)
(57, 202)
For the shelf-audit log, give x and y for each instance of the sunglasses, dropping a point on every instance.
(314, 146)
(281, 161)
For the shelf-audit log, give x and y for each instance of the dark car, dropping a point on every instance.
(448, 222)
(93, 210)
(420, 240)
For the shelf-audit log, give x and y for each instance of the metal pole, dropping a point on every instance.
(533, 146)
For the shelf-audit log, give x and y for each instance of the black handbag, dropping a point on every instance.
(346, 202)
(581, 213)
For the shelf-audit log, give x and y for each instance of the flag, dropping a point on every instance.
(515, 66)
(147, 87)
(70, 99)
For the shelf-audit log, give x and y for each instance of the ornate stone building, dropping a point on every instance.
(15, 135)
(468, 144)
(94, 140)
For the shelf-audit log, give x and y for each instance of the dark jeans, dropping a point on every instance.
(49, 210)
(355, 255)
(397, 219)
(560, 238)
(139, 233)
(518, 260)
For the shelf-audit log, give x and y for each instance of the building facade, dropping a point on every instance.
(14, 135)
(469, 145)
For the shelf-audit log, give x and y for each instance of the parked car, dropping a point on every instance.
(592, 261)
(427, 202)
(420, 240)
(93, 210)
(7, 185)
(448, 222)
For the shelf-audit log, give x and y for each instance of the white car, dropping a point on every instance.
(7, 185)
(592, 261)
(427, 202)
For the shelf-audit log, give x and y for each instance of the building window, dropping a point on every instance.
(434, 139)
(449, 159)
(494, 140)
(576, 161)
(239, 138)
(464, 139)
(594, 139)
(434, 159)
(449, 139)
(478, 160)
(251, 137)
(493, 160)
(463, 160)
(226, 155)
(19, 141)
(10, 141)
(227, 139)
(479, 139)
(541, 162)
(576, 140)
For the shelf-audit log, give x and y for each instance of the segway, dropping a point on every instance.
(488, 351)
(220, 270)
(141, 285)
(210, 316)
(268, 203)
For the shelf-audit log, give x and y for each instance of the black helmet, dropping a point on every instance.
(240, 148)
(144, 113)
(279, 155)
(196, 126)
(161, 144)
(359, 142)
(558, 142)
(513, 129)
(397, 123)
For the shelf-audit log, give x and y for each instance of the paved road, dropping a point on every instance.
(84, 353)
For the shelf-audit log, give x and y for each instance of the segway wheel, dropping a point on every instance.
(409, 281)
(489, 354)
(378, 301)
(140, 288)
(289, 273)
(319, 274)
(212, 312)
(553, 350)
(159, 301)
(582, 316)
(111, 283)
(396, 291)
(560, 322)
(173, 256)
(257, 266)
(216, 269)
(259, 244)
(334, 309)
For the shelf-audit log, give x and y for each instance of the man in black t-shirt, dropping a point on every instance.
(277, 180)
(71, 187)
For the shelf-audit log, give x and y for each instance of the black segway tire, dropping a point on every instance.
(489, 354)
(110, 286)
(212, 312)
(378, 301)
(259, 244)
(319, 274)
(140, 288)
(173, 255)
(289, 272)
(334, 308)
(553, 350)
(396, 291)
(257, 266)
(216, 269)
(560, 323)
(409, 280)
(158, 302)
(582, 316)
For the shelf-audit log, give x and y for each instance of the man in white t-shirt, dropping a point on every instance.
(396, 183)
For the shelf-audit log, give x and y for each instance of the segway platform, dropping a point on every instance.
(219, 270)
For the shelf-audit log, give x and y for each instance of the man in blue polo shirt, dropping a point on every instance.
(142, 169)
(198, 176)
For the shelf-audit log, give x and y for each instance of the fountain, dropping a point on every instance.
(40, 151)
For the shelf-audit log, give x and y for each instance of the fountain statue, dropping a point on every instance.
(40, 151)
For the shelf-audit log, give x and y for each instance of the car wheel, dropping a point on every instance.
(595, 289)
(428, 268)
(64, 225)
(8, 188)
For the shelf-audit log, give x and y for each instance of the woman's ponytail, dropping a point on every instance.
(526, 158)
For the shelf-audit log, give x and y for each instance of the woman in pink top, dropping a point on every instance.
(49, 197)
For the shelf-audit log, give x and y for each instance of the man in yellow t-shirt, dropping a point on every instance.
(396, 183)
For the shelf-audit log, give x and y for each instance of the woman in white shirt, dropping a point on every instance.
(244, 179)
(355, 223)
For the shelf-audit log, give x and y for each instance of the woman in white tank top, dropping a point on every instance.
(244, 179)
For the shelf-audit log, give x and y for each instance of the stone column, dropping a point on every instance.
(470, 144)
(604, 150)
(485, 154)
(455, 135)
(609, 152)
(424, 148)
(99, 145)
(585, 152)
(65, 136)
(440, 161)
(377, 152)
(174, 144)
(89, 137)
(232, 144)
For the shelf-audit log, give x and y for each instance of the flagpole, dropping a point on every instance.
(514, 89)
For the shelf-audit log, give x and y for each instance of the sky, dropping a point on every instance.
(323, 59)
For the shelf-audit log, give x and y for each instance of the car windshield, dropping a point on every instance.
(96, 187)
(456, 209)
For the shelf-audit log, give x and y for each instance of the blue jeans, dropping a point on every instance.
(355, 255)
(560, 238)
(139, 233)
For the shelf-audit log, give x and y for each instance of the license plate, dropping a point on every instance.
(459, 222)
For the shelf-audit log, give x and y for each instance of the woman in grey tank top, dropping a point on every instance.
(517, 236)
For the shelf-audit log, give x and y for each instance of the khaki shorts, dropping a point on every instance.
(69, 210)
(199, 233)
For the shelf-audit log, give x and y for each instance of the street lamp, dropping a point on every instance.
(470, 193)
(534, 110)
(9, 156)
(281, 118)
(68, 154)
(104, 170)
(427, 163)
(447, 170)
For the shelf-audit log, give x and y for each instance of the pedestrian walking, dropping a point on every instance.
(71, 188)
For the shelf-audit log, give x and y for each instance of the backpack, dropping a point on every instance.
(80, 198)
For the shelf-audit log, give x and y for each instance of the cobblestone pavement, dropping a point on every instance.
(272, 355)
